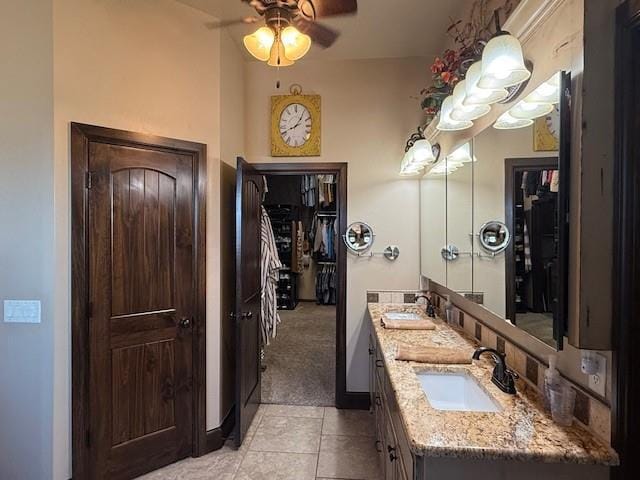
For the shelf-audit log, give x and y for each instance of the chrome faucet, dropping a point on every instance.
(431, 309)
(502, 377)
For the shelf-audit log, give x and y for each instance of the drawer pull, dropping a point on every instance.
(378, 446)
(379, 363)
(372, 351)
(378, 401)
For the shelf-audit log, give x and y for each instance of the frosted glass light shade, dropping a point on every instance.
(446, 123)
(296, 44)
(422, 153)
(507, 122)
(259, 43)
(278, 57)
(526, 110)
(474, 95)
(462, 112)
(461, 155)
(548, 92)
(503, 63)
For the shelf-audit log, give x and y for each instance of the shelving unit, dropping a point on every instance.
(283, 221)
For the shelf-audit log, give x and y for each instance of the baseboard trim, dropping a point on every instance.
(355, 401)
(217, 436)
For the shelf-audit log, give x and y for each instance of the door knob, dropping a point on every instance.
(185, 323)
(247, 315)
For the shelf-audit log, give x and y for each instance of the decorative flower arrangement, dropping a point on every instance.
(469, 38)
(445, 75)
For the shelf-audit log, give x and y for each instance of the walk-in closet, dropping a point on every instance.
(299, 289)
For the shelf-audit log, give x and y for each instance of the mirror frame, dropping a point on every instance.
(350, 246)
(497, 249)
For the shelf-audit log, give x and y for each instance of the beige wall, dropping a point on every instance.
(491, 148)
(26, 237)
(367, 114)
(146, 66)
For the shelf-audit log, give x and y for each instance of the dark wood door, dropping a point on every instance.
(141, 294)
(248, 292)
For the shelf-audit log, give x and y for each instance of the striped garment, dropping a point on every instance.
(269, 266)
(528, 265)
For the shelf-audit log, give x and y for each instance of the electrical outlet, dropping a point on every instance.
(598, 380)
(22, 311)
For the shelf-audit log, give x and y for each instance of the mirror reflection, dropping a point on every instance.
(491, 210)
(359, 237)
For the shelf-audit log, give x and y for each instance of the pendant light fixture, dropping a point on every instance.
(448, 124)
(502, 61)
(462, 112)
(474, 95)
(506, 121)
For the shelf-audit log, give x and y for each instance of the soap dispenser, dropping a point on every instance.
(552, 380)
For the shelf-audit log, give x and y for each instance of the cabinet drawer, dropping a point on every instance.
(402, 443)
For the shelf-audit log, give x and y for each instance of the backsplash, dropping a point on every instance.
(589, 410)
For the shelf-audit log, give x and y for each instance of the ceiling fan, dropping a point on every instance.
(290, 27)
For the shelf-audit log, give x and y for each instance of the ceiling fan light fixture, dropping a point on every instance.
(474, 95)
(503, 63)
(296, 44)
(278, 56)
(462, 112)
(260, 43)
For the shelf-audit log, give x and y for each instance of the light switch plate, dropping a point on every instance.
(22, 311)
(598, 381)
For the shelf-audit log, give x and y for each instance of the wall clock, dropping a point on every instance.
(546, 132)
(295, 124)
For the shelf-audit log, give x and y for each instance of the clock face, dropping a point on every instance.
(295, 125)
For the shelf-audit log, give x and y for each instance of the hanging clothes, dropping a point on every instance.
(269, 268)
(555, 181)
(326, 283)
(527, 248)
(308, 187)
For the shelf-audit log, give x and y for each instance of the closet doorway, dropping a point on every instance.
(302, 347)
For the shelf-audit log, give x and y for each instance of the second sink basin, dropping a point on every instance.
(456, 391)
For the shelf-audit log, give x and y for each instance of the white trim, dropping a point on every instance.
(528, 16)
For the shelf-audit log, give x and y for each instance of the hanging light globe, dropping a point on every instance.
(474, 95)
(503, 63)
(462, 112)
(506, 121)
(446, 123)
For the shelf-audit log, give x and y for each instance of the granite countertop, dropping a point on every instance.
(522, 430)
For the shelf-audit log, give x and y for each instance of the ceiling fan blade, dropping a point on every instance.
(320, 34)
(327, 8)
(229, 23)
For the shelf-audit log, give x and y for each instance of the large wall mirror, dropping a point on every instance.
(500, 203)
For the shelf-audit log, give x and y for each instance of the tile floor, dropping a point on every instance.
(291, 443)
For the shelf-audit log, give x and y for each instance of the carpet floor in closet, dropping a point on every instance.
(301, 360)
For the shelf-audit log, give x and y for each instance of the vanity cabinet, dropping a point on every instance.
(396, 460)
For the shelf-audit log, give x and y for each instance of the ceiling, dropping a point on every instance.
(381, 29)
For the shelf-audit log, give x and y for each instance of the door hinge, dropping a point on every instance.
(88, 183)
(88, 438)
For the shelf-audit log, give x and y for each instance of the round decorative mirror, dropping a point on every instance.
(450, 252)
(494, 236)
(359, 237)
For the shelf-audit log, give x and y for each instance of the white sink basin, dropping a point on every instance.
(456, 391)
(402, 316)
